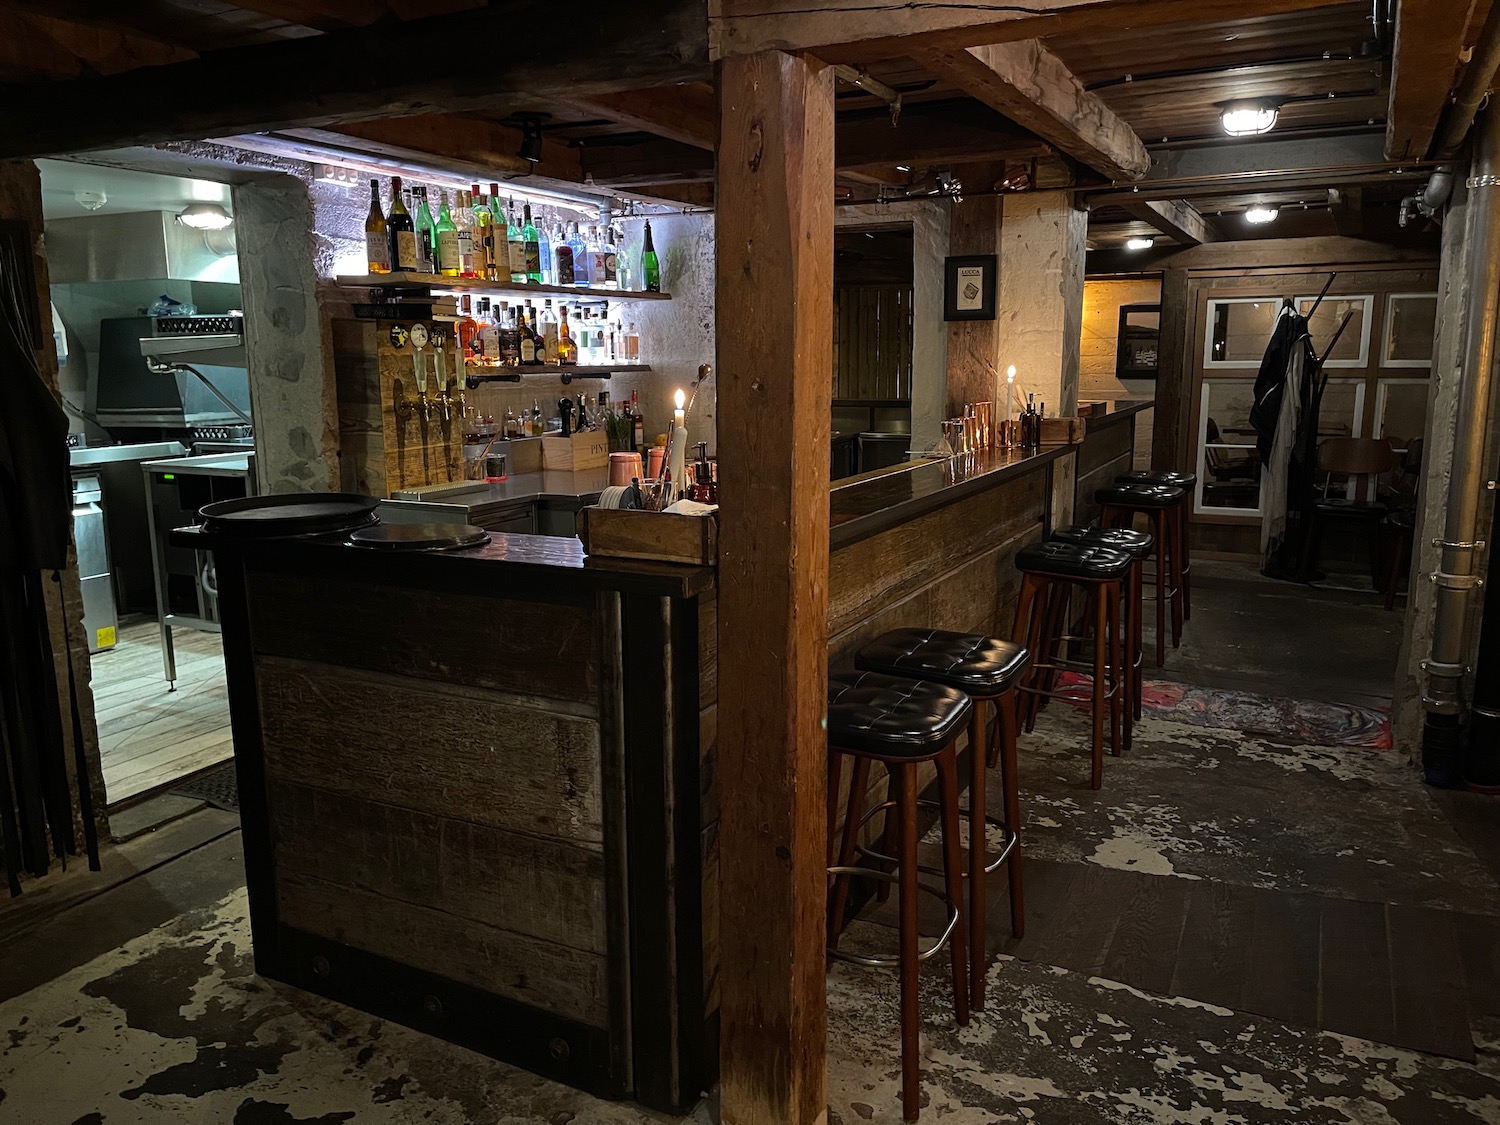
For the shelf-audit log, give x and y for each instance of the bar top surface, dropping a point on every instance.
(1117, 410)
(862, 508)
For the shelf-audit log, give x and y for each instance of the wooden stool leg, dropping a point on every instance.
(953, 881)
(1119, 740)
(1020, 630)
(859, 782)
(1184, 513)
(1173, 526)
(911, 1061)
(890, 831)
(1010, 786)
(1098, 604)
(1161, 591)
(978, 911)
(1137, 645)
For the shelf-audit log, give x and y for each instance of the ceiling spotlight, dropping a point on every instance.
(531, 135)
(1248, 119)
(903, 167)
(205, 216)
(1139, 243)
(90, 200)
(1262, 214)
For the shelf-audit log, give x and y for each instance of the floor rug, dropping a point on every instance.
(1308, 723)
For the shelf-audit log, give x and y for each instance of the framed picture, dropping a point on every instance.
(969, 287)
(1138, 347)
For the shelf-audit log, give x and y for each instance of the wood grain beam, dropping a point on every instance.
(1177, 218)
(774, 293)
(486, 148)
(852, 30)
(38, 45)
(686, 113)
(1031, 86)
(356, 74)
(1431, 38)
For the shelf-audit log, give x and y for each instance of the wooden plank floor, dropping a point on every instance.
(149, 736)
(1402, 975)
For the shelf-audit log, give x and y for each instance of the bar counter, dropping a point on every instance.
(478, 787)
(1108, 449)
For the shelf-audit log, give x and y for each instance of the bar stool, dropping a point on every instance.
(1161, 504)
(1050, 573)
(1188, 482)
(1138, 545)
(986, 669)
(902, 724)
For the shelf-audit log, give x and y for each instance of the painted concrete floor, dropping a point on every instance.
(172, 1026)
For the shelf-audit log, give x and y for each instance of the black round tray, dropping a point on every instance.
(291, 514)
(419, 537)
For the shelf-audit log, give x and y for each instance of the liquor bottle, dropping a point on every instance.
(544, 250)
(489, 336)
(580, 254)
(426, 233)
(580, 335)
(464, 217)
(650, 266)
(515, 241)
(377, 238)
(542, 354)
(536, 418)
(483, 236)
(446, 232)
(563, 255)
(510, 336)
(611, 259)
(638, 424)
(528, 341)
(533, 247)
(403, 232)
(632, 344)
(624, 267)
(582, 421)
(466, 328)
(549, 331)
(567, 349)
(597, 270)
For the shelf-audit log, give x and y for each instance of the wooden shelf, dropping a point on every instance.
(566, 373)
(473, 285)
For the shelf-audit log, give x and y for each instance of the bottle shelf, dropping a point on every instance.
(437, 283)
(567, 373)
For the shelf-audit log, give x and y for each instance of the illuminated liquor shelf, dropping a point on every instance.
(439, 284)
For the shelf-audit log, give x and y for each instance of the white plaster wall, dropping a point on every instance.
(929, 225)
(1042, 248)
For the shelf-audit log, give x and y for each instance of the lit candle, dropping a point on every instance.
(677, 462)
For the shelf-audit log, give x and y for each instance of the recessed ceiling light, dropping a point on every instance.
(903, 167)
(1139, 243)
(1261, 214)
(205, 216)
(1248, 119)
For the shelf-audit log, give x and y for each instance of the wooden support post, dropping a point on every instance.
(774, 232)
(974, 345)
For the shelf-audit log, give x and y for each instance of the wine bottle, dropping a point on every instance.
(650, 266)
(447, 239)
(531, 247)
(377, 238)
(403, 232)
(567, 349)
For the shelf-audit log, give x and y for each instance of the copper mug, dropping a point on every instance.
(625, 467)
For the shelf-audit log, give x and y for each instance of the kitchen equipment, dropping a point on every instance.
(129, 393)
(91, 540)
(118, 467)
(294, 514)
(419, 537)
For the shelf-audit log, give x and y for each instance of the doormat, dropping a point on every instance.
(1307, 723)
(217, 786)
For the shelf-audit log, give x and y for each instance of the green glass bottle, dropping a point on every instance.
(447, 239)
(533, 247)
(426, 235)
(650, 267)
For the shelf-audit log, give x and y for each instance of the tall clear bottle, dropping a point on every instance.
(377, 237)
(567, 349)
(580, 250)
(403, 232)
(611, 258)
(544, 250)
(563, 256)
(550, 331)
(464, 217)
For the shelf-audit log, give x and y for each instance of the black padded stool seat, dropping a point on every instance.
(966, 661)
(1158, 476)
(1136, 544)
(893, 718)
(1073, 560)
(1141, 495)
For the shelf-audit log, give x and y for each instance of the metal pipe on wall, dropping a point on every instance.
(1473, 88)
(1458, 572)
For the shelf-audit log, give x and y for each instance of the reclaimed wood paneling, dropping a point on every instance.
(521, 647)
(528, 885)
(543, 974)
(432, 748)
(873, 573)
(708, 651)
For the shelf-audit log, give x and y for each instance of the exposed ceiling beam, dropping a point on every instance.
(687, 113)
(1261, 253)
(1431, 38)
(38, 45)
(486, 149)
(1177, 218)
(325, 15)
(357, 74)
(873, 29)
(1031, 86)
(932, 133)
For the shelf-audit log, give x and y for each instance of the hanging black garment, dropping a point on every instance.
(1270, 381)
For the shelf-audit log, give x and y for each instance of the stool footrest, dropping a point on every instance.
(891, 962)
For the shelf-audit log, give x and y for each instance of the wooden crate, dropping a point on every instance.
(588, 450)
(657, 536)
(523, 455)
(1063, 431)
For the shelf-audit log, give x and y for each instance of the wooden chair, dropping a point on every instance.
(1358, 463)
